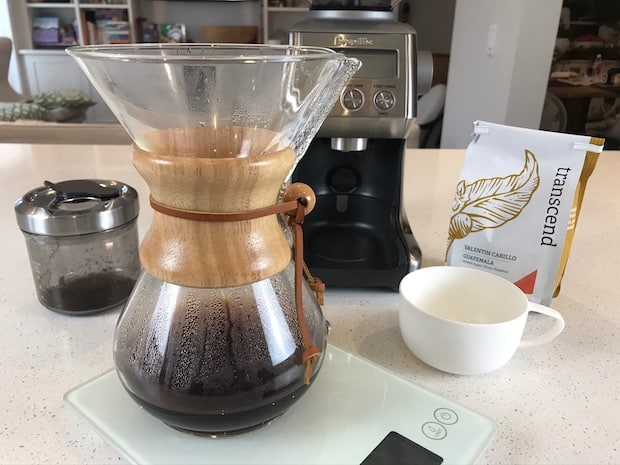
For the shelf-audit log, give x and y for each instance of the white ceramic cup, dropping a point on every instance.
(466, 321)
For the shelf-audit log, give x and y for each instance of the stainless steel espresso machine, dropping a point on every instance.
(358, 234)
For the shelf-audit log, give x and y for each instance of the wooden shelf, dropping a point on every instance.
(276, 20)
(48, 6)
(287, 9)
(103, 6)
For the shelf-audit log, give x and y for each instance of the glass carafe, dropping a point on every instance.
(221, 333)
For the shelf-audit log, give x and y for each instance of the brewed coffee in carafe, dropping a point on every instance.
(221, 333)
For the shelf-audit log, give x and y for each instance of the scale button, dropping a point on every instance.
(352, 99)
(434, 430)
(446, 416)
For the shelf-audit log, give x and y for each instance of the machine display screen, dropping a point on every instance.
(376, 64)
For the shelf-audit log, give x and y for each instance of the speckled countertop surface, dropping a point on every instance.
(556, 404)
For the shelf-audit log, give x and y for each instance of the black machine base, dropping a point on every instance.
(356, 236)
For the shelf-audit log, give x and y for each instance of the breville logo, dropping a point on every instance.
(342, 41)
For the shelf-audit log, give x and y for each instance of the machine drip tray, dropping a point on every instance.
(351, 407)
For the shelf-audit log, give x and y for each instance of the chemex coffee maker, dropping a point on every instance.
(358, 234)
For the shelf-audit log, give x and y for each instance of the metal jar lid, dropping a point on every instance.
(75, 207)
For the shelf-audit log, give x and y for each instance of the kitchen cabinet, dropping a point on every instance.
(278, 17)
(41, 54)
(47, 70)
(45, 66)
(75, 21)
(274, 18)
(51, 70)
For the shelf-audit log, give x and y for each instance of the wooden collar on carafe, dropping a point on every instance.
(295, 207)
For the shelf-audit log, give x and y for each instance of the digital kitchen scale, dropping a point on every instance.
(356, 412)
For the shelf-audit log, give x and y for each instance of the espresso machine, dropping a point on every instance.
(358, 234)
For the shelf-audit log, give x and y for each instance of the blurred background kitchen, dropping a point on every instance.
(551, 64)
(584, 85)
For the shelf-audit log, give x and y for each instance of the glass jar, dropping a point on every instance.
(82, 241)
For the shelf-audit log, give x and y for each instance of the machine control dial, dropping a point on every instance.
(384, 100)
(352, 99)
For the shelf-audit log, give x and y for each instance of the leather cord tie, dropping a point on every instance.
(295, 210)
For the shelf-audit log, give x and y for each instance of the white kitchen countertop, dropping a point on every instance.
(558, 403)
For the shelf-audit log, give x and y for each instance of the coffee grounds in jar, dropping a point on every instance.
(88, 294)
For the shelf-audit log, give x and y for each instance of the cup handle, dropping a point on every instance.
(551, 333)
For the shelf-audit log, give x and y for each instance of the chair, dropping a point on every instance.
(554, 117)
(429, 119)
(612, 137)
(7, 93)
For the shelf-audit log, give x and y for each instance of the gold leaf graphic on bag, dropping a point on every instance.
(492, 202)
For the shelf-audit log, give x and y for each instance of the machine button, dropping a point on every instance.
(352, 99)
(384, 100)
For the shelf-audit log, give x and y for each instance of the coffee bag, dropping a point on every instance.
(517, 203)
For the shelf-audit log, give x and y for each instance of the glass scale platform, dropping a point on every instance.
(352, 406)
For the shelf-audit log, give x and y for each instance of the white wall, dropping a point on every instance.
(433, 23)
(508, 86)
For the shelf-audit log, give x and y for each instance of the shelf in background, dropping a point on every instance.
(287, 9)
(50, 5)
